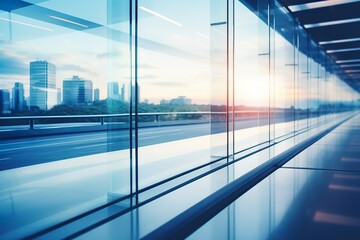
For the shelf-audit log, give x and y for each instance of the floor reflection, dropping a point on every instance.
(315, 196)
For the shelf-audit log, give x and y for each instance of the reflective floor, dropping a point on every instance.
(316, 195)
(326, 169)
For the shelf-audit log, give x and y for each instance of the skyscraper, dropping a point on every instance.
(96, 94)
(58, 101)
(4, 101)
(18, 99)
(77, 91)
(43, 93)
(133, 92)
(122, 96)
(113, 90)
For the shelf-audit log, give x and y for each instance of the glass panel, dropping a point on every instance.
(251, 70)
(57, 58)
(314, 86)
(174, 81)
(302, 79)
(102, 112)
(220, 94)
(284, 67)
(322, 90)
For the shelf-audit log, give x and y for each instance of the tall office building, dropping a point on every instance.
(113, 90)
(77, 91)
(58, 101)
(133, 93)
(18, 99)
(43, 93)
(4, 101)
(96, 94)
(122, 95)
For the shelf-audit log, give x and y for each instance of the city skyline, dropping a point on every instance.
(44, 93)
(252, 89)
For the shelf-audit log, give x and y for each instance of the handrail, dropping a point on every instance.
(102, 117)
(124, 115)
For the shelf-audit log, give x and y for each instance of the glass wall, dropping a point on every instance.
(302, 80)
(284, 70)
(174, 76)
(68, 161)
(251, 76)
(177, 89)
(314, 85)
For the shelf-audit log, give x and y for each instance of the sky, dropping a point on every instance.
(179, 53)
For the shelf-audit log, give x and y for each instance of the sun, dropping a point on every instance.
(252, 90)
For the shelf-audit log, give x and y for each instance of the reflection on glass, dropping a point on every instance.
(173, 76)
(251, 81)
(53, 55)
(96, 105)
(284, 70)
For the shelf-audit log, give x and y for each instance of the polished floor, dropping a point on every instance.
(316, 195)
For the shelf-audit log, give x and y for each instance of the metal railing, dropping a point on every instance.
(102, 117)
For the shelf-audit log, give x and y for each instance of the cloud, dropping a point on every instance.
(145, 65)
(72, 67)
(109, 54)
(10, 64)
(147, 76)
(140, 66)
(76, 69)
(169, 84)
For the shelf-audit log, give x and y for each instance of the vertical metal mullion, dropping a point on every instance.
(227, 80)
(130, 102)
(269, 69)
(136, 106)
(294, 75)
(231, 209)
(272, 62)
(307, 81)
(233, 77)
(318, 84)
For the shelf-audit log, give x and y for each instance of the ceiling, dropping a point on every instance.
(335, 25)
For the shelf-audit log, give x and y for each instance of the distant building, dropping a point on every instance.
(58, 96)
(122, 95)
(4, 101)
(96, 94)
(27, 101)
(163, 102)
(113, 90)
(43, 93)
(77, 91)
(133, 93)
(18, 99)
(181, 100)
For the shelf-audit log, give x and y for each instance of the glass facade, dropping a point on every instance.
(181, 88)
